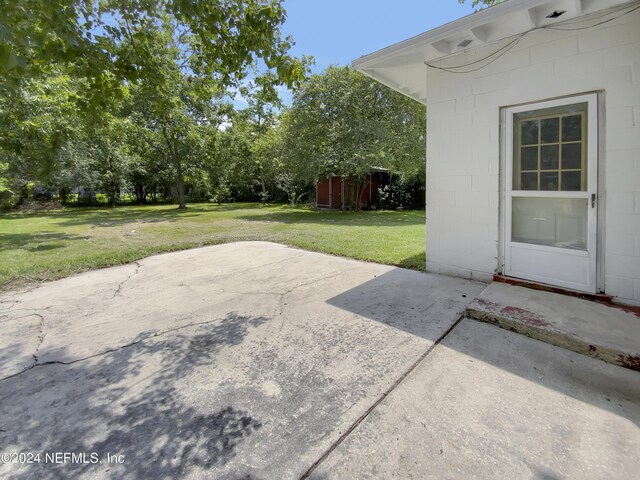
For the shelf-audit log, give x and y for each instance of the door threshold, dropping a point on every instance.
(594, 297)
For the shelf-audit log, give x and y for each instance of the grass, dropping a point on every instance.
(41, 246)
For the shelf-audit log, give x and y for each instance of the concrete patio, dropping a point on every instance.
(255, 360)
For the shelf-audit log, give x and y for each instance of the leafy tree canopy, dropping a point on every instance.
(220, 38)
(483, 3)
(344, 123)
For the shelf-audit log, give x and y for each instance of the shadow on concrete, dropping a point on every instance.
(132, 402)
(375, 298)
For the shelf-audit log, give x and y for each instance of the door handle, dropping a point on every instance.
(593, 200)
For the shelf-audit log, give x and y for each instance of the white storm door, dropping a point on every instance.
(551, 192)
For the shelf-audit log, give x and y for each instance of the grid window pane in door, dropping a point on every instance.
(550, 149)
(550, 130)
(572, 128)
(549, 157)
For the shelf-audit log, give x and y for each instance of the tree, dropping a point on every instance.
(485, 3)
(175, 58)
(297, 171)
(266, 156)
(6, 194)
(36, 121)
(343, 123)
(234, 160)
(220, 38)
(254, 138)
(173, 114)
(46, 138)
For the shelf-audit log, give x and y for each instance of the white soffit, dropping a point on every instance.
(402, 66)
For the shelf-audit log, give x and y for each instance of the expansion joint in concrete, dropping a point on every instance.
(380, 399)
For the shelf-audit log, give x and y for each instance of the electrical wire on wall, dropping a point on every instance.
(567, 25)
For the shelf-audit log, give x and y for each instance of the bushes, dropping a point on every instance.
(402, 193)
(8, 199)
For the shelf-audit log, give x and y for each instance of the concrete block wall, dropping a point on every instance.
(463, 144)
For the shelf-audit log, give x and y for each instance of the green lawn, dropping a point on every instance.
(42, 246)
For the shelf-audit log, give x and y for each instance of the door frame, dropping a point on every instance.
(595, 165)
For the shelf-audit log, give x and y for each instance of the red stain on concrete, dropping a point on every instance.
(525, 316)
(594, 297)
(633, 310)
(487, 303)
(601, 298)
(514, 313)
(630, 361)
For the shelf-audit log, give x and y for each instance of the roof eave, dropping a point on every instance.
(468, 22)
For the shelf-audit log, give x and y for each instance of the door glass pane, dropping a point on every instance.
(549, 156)
(554, 222)
(550, 149)
(529, 158)
(571, 181)
(529, 131)
(550, 130)
(571, 156)
(572, 128)
(549, 181)
(529, 181)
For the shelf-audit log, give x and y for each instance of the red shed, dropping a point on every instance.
(332, 191)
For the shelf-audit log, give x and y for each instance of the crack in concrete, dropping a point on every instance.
(29, 309)
(8, 319)
(121, 284)
(276, 262)
(269, 292)
(310, 282)
(104, 352)
(40, 337)
(280, 313)
(13, 303)
(42, 334)
(251, 268)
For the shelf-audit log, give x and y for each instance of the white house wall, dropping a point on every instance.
(463, 144)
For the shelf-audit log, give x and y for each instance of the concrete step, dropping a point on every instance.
(605, 331)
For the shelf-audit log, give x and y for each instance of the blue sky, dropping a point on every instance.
(335, 32)
(339, 31)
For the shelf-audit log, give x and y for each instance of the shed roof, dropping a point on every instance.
(401, 66)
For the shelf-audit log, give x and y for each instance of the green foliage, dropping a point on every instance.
(483, 3)
(131, 96)
(36, 120)
(172, 110)
(402, 193)
(7, 195)
(219, 39)
(343, 123)
(128, 94)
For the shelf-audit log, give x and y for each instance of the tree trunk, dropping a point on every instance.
(180, 184)
(113, 193)
(263, 193)
(140, 193)
(362, 185)
(173, 155)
